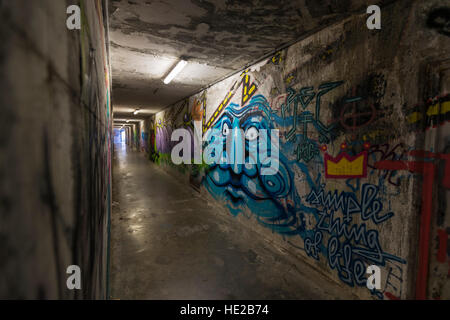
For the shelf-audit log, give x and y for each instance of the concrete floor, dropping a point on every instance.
(168, 243)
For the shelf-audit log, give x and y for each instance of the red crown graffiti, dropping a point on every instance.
(345, 166)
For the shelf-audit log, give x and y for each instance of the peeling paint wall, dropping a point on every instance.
(55, 167)
(364, 162)
(219, 37)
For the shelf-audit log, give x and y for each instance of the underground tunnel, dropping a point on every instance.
(198, 150)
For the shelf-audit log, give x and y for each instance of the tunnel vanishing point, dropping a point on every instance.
(94, 95)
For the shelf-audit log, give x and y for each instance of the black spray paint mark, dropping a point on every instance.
(48, 197)
(439, 19)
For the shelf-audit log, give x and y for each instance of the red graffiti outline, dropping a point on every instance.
(387, 155)
(391, 296)
(428, 170)
(354, 116)
(275, 102)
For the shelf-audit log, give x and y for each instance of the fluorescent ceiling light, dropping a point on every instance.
(128, 121)
(180, 66)
(136, 112)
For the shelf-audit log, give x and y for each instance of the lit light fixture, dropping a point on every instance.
(180, 66)
(136, 111)
(128, 121)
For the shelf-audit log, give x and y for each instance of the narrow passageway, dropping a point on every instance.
(185, 149)
(167, 243)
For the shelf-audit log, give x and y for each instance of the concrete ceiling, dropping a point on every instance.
(218, 37)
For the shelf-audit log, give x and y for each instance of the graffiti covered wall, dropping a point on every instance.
(363, 123)
(56, 133)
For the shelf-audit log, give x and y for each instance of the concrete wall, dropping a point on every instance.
(364, 150)
(132, 136)
(55, 133)
(147, 136)
(135, 140)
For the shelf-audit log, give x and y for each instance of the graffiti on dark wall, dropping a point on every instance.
(338, 227)
(144, 141)
(425, 166)
(298, 102)
(432, 114)
(243, 185)
(387, 152)
(347, 246)
(306, 151)
(351, 246)
(249, 88)
(360, 111)
(277, 58)
(183, 117)
(341, 164)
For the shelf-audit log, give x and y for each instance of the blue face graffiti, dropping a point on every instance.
(272, 198)
(330, 224)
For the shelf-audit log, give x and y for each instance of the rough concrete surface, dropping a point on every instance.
(218, 37)
(55, 126)
(168, 243)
